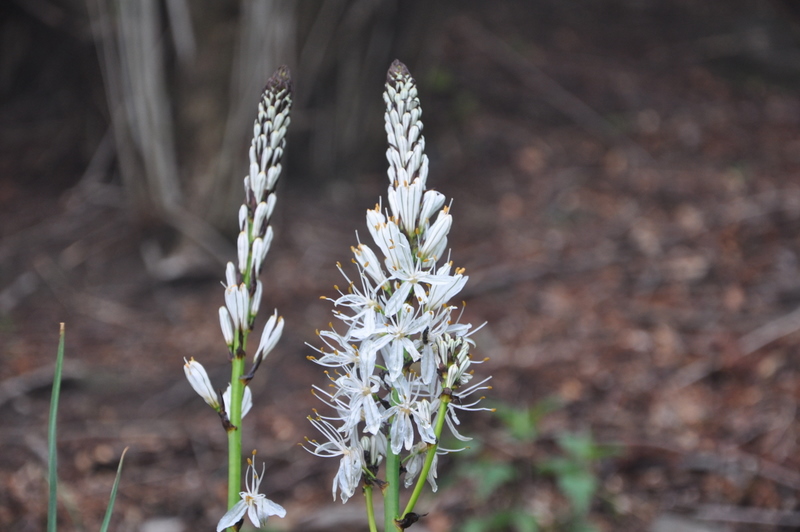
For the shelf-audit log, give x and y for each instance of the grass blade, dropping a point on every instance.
(110, 508)
(52, 457)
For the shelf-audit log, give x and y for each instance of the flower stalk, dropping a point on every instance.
(391, 495)
(243, 294)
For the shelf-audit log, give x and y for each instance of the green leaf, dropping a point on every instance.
(113, 498)
(561, 466)
(582, 525)
(502, 521)
(476, 524)
(583, 447)
(524, 522)
(580, 446)
(52, 455)
(489, 476)
(523, 423)
(579, 488)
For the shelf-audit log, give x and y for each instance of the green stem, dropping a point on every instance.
(391, 495)
(235, 433)
(431, 454)
(373, 526)
(237, 393)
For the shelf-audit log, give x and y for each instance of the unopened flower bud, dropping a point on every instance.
(226, 326)
(243, 249)
(259, 218)
(258, 256)
(270, 336)
(230, 275)
(198, 378)
(243, 218)
(247, 400)
(255, 302)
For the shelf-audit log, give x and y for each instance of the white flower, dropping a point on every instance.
(226, 326)
(230, 274)
(340, 353)
(255, 302)
(369, 263)
(460, 403)
(432, 201)
(436, 237)
(405, 202)
(237, 299)
(255, 504)
(247, 400)
(260, 216)
(395, 338)
(350, 465)
(242, 249)
(359, 385)
(414, 465)
(198, 378)
(242, 219)
(269, 338)
(405, 408)
(258, 256)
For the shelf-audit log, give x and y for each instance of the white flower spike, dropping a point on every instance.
(243, 292)
(401, 359)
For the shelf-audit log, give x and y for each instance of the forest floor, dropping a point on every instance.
(626, 202)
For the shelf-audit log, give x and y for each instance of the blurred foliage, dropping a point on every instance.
(498, 481)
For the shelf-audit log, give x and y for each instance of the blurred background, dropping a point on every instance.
(625, 177)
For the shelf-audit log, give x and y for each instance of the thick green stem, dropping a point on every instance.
(235, 433)
(431, 454)
(373, 526)
(391, 494)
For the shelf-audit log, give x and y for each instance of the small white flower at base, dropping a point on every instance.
(256, 505)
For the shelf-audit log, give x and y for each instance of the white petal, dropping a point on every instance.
(243, 218)
(226, 326)
(270, 336)
(255, 303)
(268, 235)
(232, 516)
(230, 275)
(242, 248)
(258, 256)
(247, 400)
(198, 378)
(259, 217)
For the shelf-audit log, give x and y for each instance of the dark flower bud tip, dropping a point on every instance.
(397, 71)
(281, 79)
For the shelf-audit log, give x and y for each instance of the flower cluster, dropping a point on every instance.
(400, 361)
